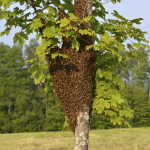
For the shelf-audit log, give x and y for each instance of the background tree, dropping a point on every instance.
(24, 106)
(13, 81)
(136, 76)
(52, 115)
(77, 48)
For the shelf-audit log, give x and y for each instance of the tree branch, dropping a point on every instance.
(31, 2)
(56, 3)
(61, 13)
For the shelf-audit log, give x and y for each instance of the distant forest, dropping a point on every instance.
(26, 107)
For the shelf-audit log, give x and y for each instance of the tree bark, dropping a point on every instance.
(82, 8)
(82, 130)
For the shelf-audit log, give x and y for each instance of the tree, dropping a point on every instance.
(137, 88)
(13, 86)
(78, 49)
(139, 102)
(45, 113)
(24, 106)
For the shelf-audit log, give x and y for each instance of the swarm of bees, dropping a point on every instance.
(74, 77)
(74, 81)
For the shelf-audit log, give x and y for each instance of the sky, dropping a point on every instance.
(130, 9)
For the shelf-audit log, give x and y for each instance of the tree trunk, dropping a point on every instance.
(83, 8)
(74, 79)
(82, 130)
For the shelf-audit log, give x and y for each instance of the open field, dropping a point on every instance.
(112, 139)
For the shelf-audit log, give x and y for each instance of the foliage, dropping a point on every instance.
(135, 74)
(24, 106)
(13, 85)
(136, 90)
(34, 110)
(108, 36)
(138, 100)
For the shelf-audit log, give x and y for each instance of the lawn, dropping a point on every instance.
(112, 139)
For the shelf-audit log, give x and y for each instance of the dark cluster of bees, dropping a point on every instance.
(73, 81)
(74, 77)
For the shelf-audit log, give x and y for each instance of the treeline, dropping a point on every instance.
(26, 107)
(137, 86)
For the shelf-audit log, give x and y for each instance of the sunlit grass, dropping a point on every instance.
(112, 139)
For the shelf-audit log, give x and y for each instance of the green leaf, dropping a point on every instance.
(20, 37)
(75, 44)
(52, 32)
(126, 113)
(52, 10)
(110, 113)
(99, 73)
(85, 32)
(69, 34)
(59, 54)
(117, 120)
(116, 14)
(36, 24)
(106, 38)
(115, 1)
(68, 6)
(137, 45)
(48, 86)
(5, 2)
(5, 15)
(92, 46)
(31, 60)
(64, 22)
(72, 17)
(137, 21)
(87, 19)
(6, 31)
(96, 25)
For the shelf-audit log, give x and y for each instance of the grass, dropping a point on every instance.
(112, 139)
